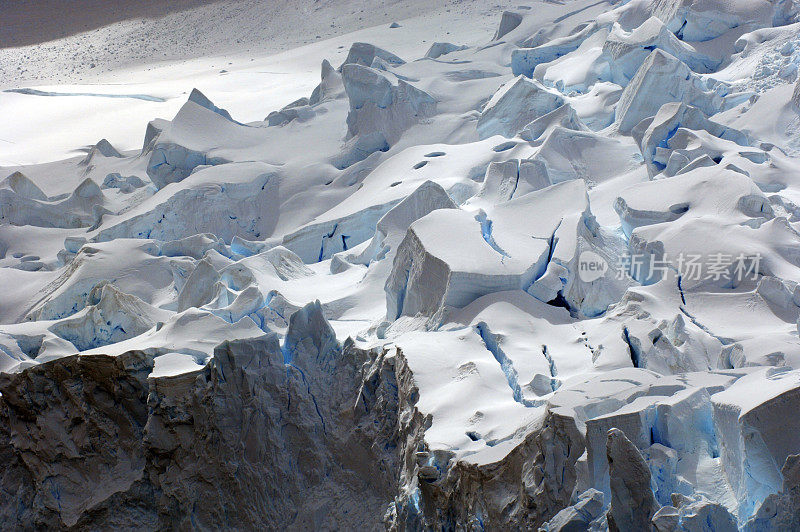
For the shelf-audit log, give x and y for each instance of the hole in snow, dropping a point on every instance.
(679, 208)
(395, 183)
(420, 165)
(504, 146)
(474, 436)
(435, 154)
(560, 301)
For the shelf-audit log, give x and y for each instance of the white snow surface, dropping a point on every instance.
(440, 199)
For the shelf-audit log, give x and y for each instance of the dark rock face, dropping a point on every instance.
(632, 502)
(519, 492)
(246, 442)
(73, 431)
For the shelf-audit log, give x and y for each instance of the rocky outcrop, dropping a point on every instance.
(632, 501)
(74, 429)
(250, 438)
(524, 489)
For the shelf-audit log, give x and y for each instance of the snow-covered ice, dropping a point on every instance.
(454, 266)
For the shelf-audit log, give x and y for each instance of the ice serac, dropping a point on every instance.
(758, 433)
(698, 21)
(69, 292)
(508, 22)
(153, 129)
(781, 511)
(574, 236)
(428, 197)
(580, 516)
(362, 53)
(661, 79)
(111, 316)
(433, 272)
(297, 110)
(655, 133)
(500, 181)
(515, 105)
(428, 273)
(567, 154)
(439, 49)
(525, 60)
(667, 519)
(310, 335)
(330, 86)
(667, 201)
(658, 223)
(21, 203)
(199, 287)
(22, 186)
(126, 184)
(704, 515)
(103, 149)
(321, 239)
(236, 199)
(564, 117)
(795, 99)
(577, 242)
(522, 271)
(392, 227)
(185, 143)
(382, 107)
(626, 51)
(535, 475)
(202, 100)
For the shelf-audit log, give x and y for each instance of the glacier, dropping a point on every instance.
(542, 274)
